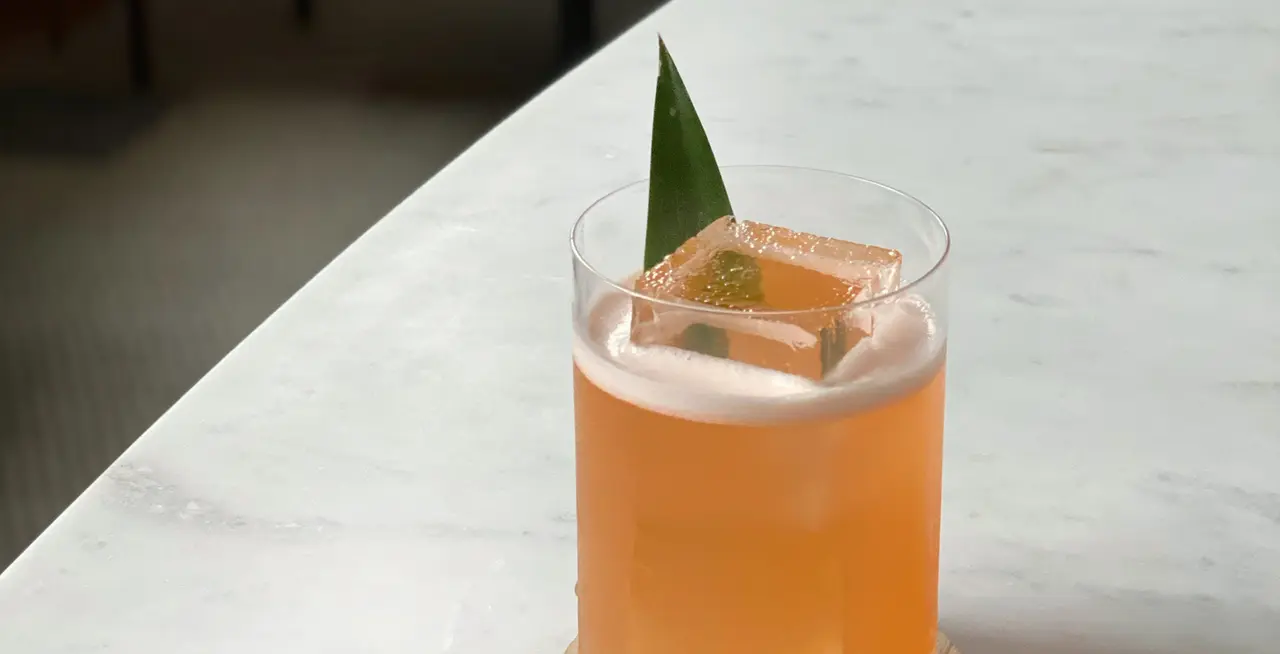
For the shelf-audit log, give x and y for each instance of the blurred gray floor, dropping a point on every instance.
(126, 273)
(122, 282)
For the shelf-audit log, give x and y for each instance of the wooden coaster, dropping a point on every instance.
(944, 646)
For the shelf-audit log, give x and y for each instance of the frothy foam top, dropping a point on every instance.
(903, 352)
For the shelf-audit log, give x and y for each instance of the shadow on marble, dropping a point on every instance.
(1002, 643)
(1137, 638)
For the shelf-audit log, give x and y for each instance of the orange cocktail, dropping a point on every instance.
(759, 433)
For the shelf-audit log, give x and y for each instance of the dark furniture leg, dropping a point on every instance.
(575, 31)
(140, 70)
(305, 11)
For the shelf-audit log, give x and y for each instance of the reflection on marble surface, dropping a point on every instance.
(386, 465)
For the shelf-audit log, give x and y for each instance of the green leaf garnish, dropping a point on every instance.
(686, 192)
(731, 279)
(706, 339)
(833, 343)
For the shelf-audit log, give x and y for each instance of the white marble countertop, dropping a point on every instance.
(363, 475)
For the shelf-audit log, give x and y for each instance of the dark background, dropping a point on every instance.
(168, 178)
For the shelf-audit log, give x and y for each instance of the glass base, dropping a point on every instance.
(944, 646)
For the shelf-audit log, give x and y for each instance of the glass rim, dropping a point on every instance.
(691, 306)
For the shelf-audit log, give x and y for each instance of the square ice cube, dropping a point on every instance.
(744, 267)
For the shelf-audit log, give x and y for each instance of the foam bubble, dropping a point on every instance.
(903, 353)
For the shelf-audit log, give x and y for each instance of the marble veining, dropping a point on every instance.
(386, 465)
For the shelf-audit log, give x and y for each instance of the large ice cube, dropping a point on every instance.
(742, 267)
